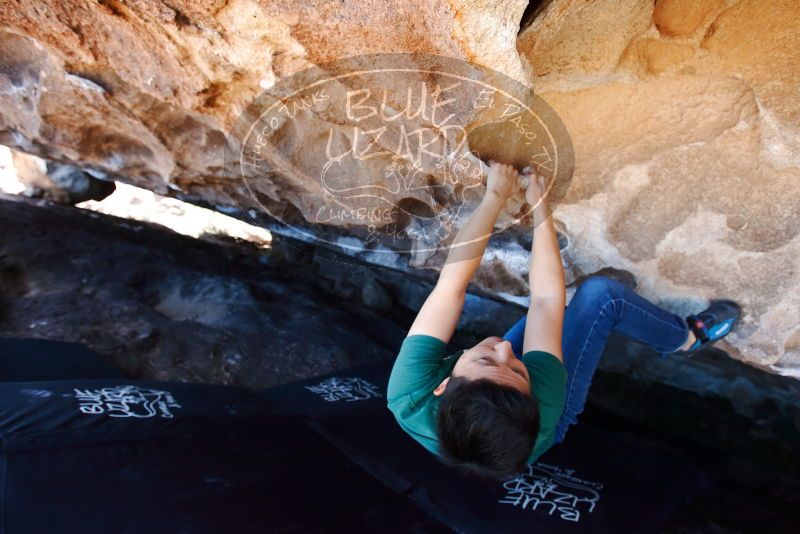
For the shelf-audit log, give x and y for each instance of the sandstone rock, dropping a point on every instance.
(713, 192)
(683, 17)
(64, 184)
(683, 117)
(30, 170)
(583, 38)
(758, 42)
(654, 56)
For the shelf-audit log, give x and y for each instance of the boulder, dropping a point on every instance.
(681, 119)
(63, 184)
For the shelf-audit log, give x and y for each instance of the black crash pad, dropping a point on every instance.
(116, 455)
(23, 359)
(131, 456)
(593, 482)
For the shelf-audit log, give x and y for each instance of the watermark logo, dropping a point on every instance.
(392, 146)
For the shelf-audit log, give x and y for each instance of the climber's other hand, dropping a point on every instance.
(502, 180)
(536, 189)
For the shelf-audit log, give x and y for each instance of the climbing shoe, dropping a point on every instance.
(712, 324)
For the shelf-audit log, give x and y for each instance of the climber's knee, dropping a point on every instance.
(597, 290)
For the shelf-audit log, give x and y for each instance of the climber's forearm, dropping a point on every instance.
(546, 276)
(466, 250)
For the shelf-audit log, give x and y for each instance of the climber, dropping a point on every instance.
(502, 403)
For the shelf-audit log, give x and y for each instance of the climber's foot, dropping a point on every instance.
(712, 324)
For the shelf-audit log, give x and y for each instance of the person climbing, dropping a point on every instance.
(492, 408)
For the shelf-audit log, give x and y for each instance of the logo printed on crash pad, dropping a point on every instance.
(552, 490)
(126, 401)
(345, 389)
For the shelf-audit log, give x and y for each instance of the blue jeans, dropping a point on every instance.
(601, 306)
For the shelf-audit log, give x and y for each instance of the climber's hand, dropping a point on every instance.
(501, 180)
(535, 189)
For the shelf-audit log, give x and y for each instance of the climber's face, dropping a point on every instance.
(493, 359)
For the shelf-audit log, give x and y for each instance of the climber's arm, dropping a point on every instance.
(546, 278)
(440, 312)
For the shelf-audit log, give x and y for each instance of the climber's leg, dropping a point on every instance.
(600, 306)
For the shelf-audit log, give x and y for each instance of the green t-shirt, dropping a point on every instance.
(421, 366)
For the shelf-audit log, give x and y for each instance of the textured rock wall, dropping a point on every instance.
(62, 184)
(683, 115)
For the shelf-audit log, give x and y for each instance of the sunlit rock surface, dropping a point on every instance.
(60, 183)
(683, 115)
(687, 152)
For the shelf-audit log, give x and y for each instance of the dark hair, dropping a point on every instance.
(486, 429)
